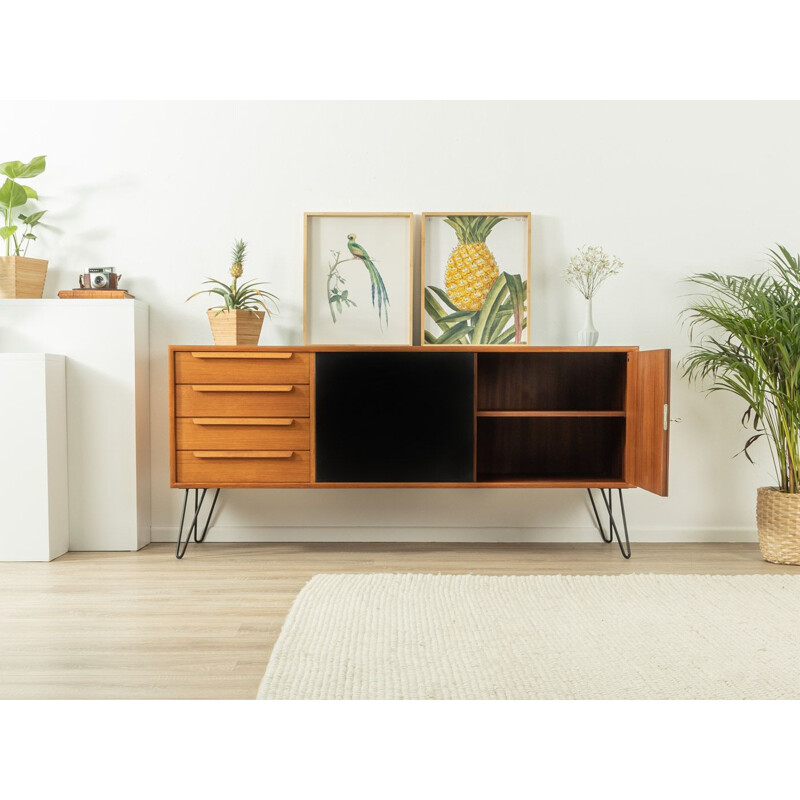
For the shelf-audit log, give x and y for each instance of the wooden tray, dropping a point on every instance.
(95, 294)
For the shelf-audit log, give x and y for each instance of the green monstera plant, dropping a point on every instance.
(18, 233)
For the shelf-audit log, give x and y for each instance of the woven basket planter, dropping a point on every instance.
(778, 516)
(236, 327)
(22, 277)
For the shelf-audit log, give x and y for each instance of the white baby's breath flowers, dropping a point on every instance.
(588, 269)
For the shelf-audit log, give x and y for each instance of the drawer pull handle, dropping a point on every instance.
(243, 453)
(244, 421)
(221, 387)
(243, 355)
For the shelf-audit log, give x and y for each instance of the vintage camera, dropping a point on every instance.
(100, 278)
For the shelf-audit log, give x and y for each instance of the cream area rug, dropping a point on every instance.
(389, 636)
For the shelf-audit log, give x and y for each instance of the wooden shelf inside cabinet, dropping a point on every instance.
(551, 413)
(554, 448)
(552, 381)
(552, 482)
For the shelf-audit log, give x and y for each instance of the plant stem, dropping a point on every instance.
(330, 305)
(333, 271)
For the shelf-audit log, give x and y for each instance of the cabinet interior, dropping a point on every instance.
(550, 416)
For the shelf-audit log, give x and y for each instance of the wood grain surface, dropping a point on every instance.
(651, 421)
(236, 367)
(241, 401)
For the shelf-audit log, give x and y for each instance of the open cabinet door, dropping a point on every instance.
(651, 423)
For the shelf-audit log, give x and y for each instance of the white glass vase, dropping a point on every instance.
(588, 335)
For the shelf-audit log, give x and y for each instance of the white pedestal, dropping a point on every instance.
(108, 409)
(34, 509)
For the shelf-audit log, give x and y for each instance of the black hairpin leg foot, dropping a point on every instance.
(613, 531)
(193, 531)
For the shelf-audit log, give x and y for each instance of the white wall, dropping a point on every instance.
(161, 190)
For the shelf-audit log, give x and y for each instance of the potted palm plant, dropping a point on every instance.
(20, 276)
(746, 336)
(238, 320)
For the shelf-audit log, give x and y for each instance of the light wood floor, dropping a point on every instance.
(144, 625)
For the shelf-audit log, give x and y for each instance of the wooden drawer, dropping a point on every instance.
(217, 467)
(254, 400)
(236, 367)
(242, 433)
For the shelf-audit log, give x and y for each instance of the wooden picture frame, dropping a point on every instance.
(370, 301)
(469, 295)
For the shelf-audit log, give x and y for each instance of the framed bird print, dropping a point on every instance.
(358, 269)
(476, 278)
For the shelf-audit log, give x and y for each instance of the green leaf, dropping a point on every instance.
(514, 283)
(454, 224)
(458, 316)
(498, 326)
(453, 335)
(31, 193)
(33, 219)
(435, 311)
(495, 298)
(12, 169)
(12, 195)
(472, 225)
(29, 236)
(246, 297)
(432, 307)
(489, 225)
(219, 292)
(16, 169)
(506, 337)
(8, 231)
(442, 295)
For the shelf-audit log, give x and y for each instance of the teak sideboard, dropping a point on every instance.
(419, 417)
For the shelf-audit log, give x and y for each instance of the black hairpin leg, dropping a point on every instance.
(613, 531)
(192, 533)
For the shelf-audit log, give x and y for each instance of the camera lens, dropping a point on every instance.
(99, 280)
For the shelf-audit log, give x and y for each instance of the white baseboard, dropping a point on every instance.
(459, 534)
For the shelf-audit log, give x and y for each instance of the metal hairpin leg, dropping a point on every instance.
(613, 531)
(192, 533)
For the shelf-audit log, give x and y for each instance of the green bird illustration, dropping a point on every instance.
(379, 293)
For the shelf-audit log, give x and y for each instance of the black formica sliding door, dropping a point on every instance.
(394, 417)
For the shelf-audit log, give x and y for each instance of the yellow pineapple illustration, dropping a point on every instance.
(471, 268)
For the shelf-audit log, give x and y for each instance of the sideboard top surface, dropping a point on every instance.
(458, 348)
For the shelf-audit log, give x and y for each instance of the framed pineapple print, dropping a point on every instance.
(476, 278)
(358, 269)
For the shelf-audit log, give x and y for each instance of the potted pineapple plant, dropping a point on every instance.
(238, 320)
(20, 276)
(746, 335)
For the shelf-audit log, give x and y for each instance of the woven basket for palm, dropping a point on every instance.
(778, 515)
